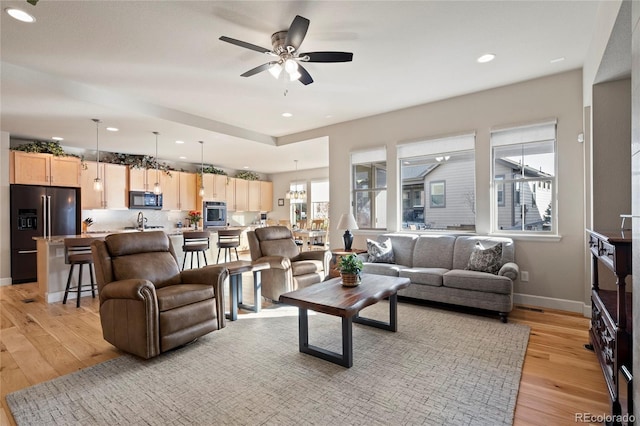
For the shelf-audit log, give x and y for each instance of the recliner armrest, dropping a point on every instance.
(313, 255)
(510, 270)
(213, 274)
(276, 262)
(135, 289)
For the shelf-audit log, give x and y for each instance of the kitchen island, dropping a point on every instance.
(53, 271)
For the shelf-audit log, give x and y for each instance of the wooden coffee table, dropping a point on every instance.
(332, 298)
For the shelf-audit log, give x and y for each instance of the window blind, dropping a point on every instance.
(464, 142)
(539, 132)
(369, 156)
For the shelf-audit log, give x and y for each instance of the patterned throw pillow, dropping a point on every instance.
(380, 252)
(485, 259)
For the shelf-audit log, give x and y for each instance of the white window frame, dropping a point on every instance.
(545, 131)
(364, 157)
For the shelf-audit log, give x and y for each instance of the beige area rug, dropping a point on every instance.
(440, 368)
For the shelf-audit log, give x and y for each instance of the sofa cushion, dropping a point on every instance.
(485, 259)
(478, 281)
(303, 267)
(434, 251)
(383, 269)
(402, 245)
(465, 243)
(425, 276)
(380, 252)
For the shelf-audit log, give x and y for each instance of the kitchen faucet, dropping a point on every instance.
(141, 220)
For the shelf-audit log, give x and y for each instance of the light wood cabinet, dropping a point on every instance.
(242, 195)
(230, 196)
(115, 193)
(215, 187)
(141, 179)
(44, 169)
(178, 191)
(254, 196)
(266, 196)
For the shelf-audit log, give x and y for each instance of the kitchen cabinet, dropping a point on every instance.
(242, 195)
(215, 187)
(115, 193)
(44, 169)
(266, 196)
(141, 179)
(254, 196)
(178, 191)
(230, 196)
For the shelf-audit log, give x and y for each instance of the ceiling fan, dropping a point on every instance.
(286, 55)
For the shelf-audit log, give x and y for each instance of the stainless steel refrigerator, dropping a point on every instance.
(39, 211)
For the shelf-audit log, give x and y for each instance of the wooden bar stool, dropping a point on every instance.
(228, 239)
(77, 251)
(195, 242)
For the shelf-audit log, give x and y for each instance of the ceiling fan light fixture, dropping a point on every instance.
(276, 70)
(290, 66)
(20, 15)
(293, 76)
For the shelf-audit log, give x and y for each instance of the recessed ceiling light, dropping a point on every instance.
(112, 129)
(488, 57)
(57, 138)
(287, 114)
(179, 142)
(245, 167)
(328, 116)
(20, 15)
(560, 59)
(182, 157)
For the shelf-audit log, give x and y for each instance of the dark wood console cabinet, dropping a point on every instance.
(611, 332)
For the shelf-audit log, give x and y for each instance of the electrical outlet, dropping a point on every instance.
(524, 276)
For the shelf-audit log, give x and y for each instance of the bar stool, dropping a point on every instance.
(77, 251)
(195, 242)
(228, 239)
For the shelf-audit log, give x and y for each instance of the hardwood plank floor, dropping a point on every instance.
(40, 341)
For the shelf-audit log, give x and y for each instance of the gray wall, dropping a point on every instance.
(5, 241)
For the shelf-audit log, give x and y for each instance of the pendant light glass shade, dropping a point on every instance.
(201, 192)
(157, 189)
(97, 182)
(295, 194)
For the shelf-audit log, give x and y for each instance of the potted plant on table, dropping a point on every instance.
(350, 269)
(194, 217)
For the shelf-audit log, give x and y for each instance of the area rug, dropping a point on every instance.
(441, 367)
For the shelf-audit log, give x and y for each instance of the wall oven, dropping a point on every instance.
(214, 213)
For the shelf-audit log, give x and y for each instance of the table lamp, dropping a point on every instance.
(347, 222)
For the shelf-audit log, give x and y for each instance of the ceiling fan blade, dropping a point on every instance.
(328, 56)
(305, 77)
(297, 31)
(245, 44)
(256, 70)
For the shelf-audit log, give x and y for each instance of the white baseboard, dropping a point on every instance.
(552, 303)
(5, 281)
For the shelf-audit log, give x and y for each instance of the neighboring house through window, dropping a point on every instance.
(369, 177)
(438, 183)
(524, 170)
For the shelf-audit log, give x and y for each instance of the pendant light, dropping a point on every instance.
(201, 168)
(97, 182)
(295, 194)
(156, 187)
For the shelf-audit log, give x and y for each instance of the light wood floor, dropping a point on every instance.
(40, 341)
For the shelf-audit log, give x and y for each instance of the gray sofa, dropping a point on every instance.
(436, 266)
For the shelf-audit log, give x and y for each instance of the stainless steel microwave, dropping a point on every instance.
(145, 200)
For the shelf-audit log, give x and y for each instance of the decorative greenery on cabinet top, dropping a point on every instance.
(247, 175)
(43, 147)
(213, 171)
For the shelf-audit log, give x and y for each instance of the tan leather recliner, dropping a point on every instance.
(290, 268)
(147, 306)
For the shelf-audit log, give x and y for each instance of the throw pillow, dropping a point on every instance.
(485, 259)
(380, 252)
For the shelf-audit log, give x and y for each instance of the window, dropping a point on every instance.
(438, 183)
(524, 178)
(369, 176)
(438, 194)
(297, 206)
(320, 199)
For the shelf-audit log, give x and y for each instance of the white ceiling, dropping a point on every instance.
(146, 66)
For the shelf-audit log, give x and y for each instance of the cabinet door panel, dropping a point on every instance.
(231, 194)
(170, 190)
(137, 179)
(254, 196)
(65, 171)
(116, 191)
(242, 195)
(188, 191)
(266, 196)
(91, 199)
(209, 183)
(219, 187)
(31, 169)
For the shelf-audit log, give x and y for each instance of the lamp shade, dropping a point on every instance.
(347, 221)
